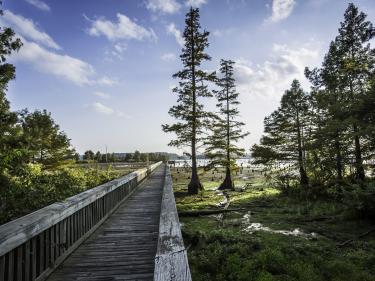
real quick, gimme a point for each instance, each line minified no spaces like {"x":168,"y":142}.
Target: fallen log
{"x":207,"y":212}
{"x":358,"y":237}
{"x":318,"y":219}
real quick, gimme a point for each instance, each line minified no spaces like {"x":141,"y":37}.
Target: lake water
{"x":241,"y":162}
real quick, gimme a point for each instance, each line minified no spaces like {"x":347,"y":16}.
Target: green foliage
{"x":88,"y":155}
{"x":45,"y":143}
{"x":327,"y":135}
{"x":285,"y":133}
{"x":36,"y":188}
{"x":228,"y":253}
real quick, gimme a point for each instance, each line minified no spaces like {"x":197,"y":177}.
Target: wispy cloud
{"x":272,"y":77}
{"x":163,"y":6}
{"x":195,"y":3}
{"x":168,"y":57}
{"x":102,"y":95}
{"x":39,"y":4}
{"x":63,"y":66}
{"x":172,"y":29}
{"x":28,"y":29}
{"x":106,"y":110}
{"x":281,"y":9}
{"x":102,"y":109}
{"x":123,"y":29}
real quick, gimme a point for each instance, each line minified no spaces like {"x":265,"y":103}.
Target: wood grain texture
{"x":124,"y":247}
{"x":171,"y":261}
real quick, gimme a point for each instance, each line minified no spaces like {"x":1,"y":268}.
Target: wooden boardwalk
{"x":124,"y":246}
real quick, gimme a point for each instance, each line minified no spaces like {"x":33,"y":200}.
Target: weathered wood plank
{"x":171,"y":261}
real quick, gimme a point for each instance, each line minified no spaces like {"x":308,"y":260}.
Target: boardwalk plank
{"x":124,"y":247}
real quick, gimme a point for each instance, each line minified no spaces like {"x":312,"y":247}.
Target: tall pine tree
{"x":226,"y":130}
{"x":189,"y":110}
{"x":285,"y":132}
{"x":357,"y":59}
{"x":328,"y":113}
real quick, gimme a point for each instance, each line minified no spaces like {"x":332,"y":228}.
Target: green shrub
{"x":35,"y":188}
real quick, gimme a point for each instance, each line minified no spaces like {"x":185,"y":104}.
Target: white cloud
{"x":118,"y":50}
{"x":171,"y":29}
{"x":123,"y":29}
{"x":281,"y":9}
{"x":102,"y":95}
{"x":163,"y":6}
{"x":195,"y":3}
{"x":63,"y":66}
{"x":120,"y":47}
{"x":168,"y":57}
{"x":106,"y":110}
{"x":102,"y":109}
{"x":27,"y":28}
{"x":105,"y":81}
{"x":274,"y":76}
{"x":39,"y":4}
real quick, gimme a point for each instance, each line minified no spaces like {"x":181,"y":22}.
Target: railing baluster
{"x":41,"y":251}
{"x":33,"y":258}
{"x":2,"y":268}
{"x":52,"y":248}
{"x":11,"y":266}
{"x":19,"y":263}
{"x":27,"y":265}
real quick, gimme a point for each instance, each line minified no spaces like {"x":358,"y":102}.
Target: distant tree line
{"x":136,"y":156}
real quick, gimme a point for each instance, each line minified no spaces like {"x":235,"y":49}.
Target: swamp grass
{"x":220,"y":247}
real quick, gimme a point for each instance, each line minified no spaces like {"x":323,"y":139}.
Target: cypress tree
{"x":357,"y":61}
{"x":329,"y":116}
{"x":226,"y":130}
{"x":285,"y":132}
{"x":189,"y":111}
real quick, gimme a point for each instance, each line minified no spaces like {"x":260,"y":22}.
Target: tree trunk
{"x":227,"y":183}
{"x":360,"y":171}
{"x":304,"y":179}
{"x":338,"y":158}
{"x":195,"y":184}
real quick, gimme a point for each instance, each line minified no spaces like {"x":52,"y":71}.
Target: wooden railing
{"x":33,"y":245}
{"x":171,"y":262}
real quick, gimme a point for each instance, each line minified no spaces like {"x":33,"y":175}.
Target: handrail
{"x":33,"y":245}
{"x":171,"y":262}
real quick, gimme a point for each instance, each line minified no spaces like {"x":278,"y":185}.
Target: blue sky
{"x":103,"y":67}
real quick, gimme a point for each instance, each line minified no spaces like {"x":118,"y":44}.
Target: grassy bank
{"x":275,"y":237}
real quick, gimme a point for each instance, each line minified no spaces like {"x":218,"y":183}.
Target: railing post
{"x":171,"y":262}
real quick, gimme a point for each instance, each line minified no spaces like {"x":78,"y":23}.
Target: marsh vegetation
{"x":275,"y":236}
